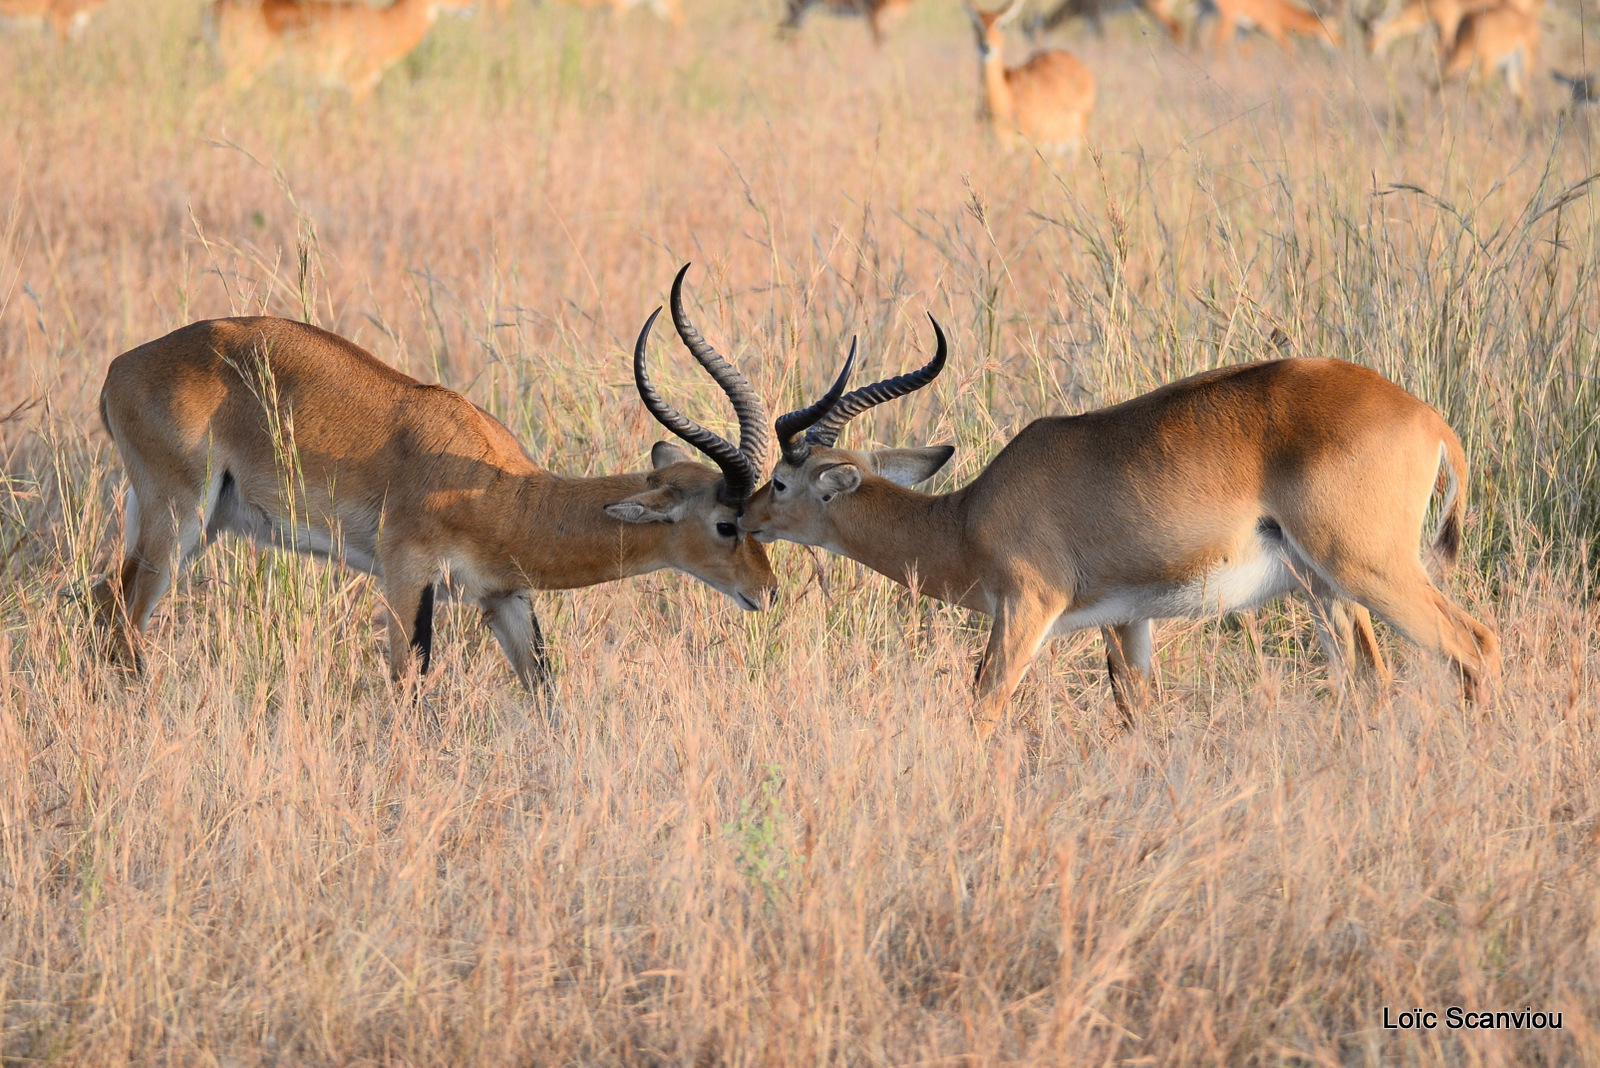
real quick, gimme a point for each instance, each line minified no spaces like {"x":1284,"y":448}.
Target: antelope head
{"x":990,"y":27}
{"x":815,"y":482}
{"x":700,"y":506}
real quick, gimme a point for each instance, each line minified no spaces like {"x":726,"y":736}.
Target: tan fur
{"x":297,"y":438}
{"x":1046,"y":100}
{"x":1414,"y":16}
{"x":1314,"y":475}
{"x":1503,"y":38}
{"x":881,"y":15}
{"x":66,"y":17}
{"x":339,"y":43}
{"x":1275,"y":18}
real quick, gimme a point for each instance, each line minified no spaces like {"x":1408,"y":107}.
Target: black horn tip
{"x":677,"y":281}
{"x":942,"y":349}
{"x":835,"y":391}
{"x":644,"y":332}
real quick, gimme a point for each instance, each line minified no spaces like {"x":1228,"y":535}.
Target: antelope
{"x":1275,"y":18}
{"x":338,"y":44}
{"x":1046,"y":100}
{"x":881,"y":15}
{"x":66,"y":17}
{"x":1094,"y":12}
{"x":1502,"y":38}
{"x":1415,"y":16}
{"x":1209,"y":495}
{"x":298,"y":439}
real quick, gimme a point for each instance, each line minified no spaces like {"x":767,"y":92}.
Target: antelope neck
{"x":567,"y":540}
{"x":906,"y":535}
{"x":996,"y":89}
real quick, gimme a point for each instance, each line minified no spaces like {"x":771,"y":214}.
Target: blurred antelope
{"x":66,"y":17}
{"x":339,"y":44}
{"x":1046,"y":100}
{"x":297,"y":439}
{"x":1414,"y":16}
{"x":1275,"y":18}
{"x":1209,"y":495}
{"x":881,"y":15}
{"x":1502,"y":38}
{"x":1095,"y":11}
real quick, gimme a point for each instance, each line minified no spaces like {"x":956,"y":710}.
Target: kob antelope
{"x":338,"y":44}
{"x":297,"y":439}
{"x":1046,"y":100}
{"x":1275,"y":18}
{"x":881,"y":15}
{"x":1095,"y":11}
{"x":66,"y":17}
{"x":1209,"y":495}
{"x":1502,"y":38}
{"x":1414,"y":16}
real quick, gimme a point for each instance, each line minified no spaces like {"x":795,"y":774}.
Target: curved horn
{"x":791,"y":426}
{"x":746,"y":403}
{"x":738,"y":474}
{"x":852,"y":404}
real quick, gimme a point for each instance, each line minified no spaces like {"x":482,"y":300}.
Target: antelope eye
{"x":778,"y":487}
{"x":727,"y":530}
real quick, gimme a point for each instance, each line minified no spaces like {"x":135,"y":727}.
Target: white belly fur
{"x":1238,"y":584}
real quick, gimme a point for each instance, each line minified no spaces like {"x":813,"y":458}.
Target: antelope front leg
{"x":512,"y":620}
{"x":1128,"y":664}
{"x":1020,"y":627}
{"x":410,"y":624}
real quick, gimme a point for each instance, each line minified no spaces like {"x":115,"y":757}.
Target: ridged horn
{"x":738,"y":473}
{"x":789,"y":427}
{"x":752,"y":414}
{"x":826,"y":429}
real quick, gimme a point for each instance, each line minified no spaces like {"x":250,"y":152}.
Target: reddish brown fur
{"x":411,"y":482}
{"x":1155,"y":498}
{"x":1275,"y":18}
{"x":347,"y":44}
{"x":1046,"y":100}
{"x":1503,"y":38}
{"x":66,"y":17}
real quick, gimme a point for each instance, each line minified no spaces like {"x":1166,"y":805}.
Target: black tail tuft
{"x":1447,"y":545}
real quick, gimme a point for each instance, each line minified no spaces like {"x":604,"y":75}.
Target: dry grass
{"x":773,"y":839}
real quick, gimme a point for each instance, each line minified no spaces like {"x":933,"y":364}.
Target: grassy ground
{"x":773,"y":839}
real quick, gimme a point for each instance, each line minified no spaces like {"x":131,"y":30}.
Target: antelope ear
{"x":665,"y":454}
{"x":907,"y":467}
{"x":664,"y":504}
{"x":838,"y":478}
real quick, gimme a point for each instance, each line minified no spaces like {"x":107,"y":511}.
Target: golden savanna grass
{"x":773,"y":839}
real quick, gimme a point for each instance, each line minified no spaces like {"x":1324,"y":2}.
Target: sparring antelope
{"x":335,"y":43}
{"x":1209,"y":495}
{"x":1275,"y":18}
{"x":1046,"y":100}
{"x":881,"y":15}
{"x":66,"y":17}
{"x":298,"y":439}
{"x":1503,"y":38}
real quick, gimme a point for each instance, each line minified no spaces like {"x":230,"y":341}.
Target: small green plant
{"x":756,"y":835}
